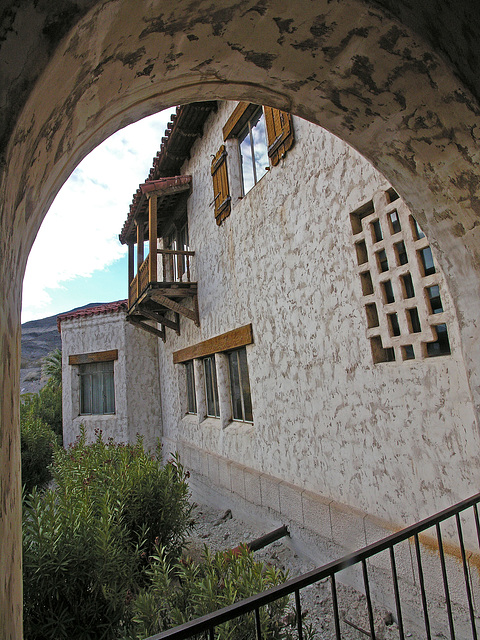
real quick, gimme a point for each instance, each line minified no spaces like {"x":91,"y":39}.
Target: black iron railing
{"x":207,"y":624}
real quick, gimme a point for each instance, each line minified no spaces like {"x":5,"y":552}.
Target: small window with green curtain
{"x":97,"y":388}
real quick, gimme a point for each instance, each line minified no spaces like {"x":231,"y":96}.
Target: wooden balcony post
{"x":152,"y":238}
{"x":131,"y":263}
{"x":140,"y":258}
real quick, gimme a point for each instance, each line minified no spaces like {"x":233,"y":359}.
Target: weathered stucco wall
{"x":398,"y":440}
{"x":136,"y":378}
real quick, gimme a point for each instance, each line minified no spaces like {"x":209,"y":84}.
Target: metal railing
{"x":206,"y":625}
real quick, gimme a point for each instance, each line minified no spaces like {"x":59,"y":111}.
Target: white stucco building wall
{"x":393,"y":440}
{"x":102,"y":329}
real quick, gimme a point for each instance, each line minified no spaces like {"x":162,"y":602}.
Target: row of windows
{"x":241,"y":402}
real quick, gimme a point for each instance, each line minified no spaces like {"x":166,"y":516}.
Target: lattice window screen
{"x":403,"y":289}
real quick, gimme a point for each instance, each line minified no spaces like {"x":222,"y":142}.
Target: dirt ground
{"x":221,"y":530}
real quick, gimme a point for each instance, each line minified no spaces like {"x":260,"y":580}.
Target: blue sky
{"x":89,"y":264}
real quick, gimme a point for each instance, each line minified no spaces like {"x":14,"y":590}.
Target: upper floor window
{"x":253,"y":150}
{"x":97,"y":389}
{"x":263,"y":135}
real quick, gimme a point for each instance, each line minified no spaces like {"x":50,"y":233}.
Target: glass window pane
{"x":427,"y":261}
{"x":191,"y":399}
{"x":211,"y":389}
{"x":97,"y":393}
{"x":215,"y":388}
{"x":235,"y":386}
{"x":260,"y":150}
{"x":109,"y":393}
{"x":97,"y":388}
{"x":247,"y":401}
{"x":85,"y":393}
{"x":247,"y":161}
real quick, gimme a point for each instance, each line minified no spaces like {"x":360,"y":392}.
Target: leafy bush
{"x":184,"y":591}
{"x":86,"y":542}
{"x":46,"y":405}
{"x":38,"y":443}
{"x":154,"y":496}
{"x":79,"y":567}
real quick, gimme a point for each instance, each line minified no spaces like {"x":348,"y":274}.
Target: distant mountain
{"x":39,"y":338}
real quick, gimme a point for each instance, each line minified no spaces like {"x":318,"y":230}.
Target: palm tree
{"x":52,"y":367}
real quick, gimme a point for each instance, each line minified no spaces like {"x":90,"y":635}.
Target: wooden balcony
{"x":161,"y":289}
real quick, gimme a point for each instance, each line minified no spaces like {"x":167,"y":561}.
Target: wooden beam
{"x":152,"y":238}
{"x":98,"y":356}
{"x":146,"y":327}
{"x":174,"y":306}
{"x":230,"y":340}
{"x":176,"y":290}
{"x":157,"y":317}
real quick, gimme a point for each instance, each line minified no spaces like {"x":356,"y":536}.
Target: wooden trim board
{"x":99,"y":356}
{"x":226,"y":341}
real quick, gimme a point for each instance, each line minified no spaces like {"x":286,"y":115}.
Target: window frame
{"x":234,"y":358}
{"x":248,"y":131}
{"x":211,"y":387}
{"x":190,"y":388}
{"x":97,"y":374}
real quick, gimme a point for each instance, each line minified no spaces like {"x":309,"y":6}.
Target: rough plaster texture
{"x":136,"y":377}
{"x":401,"y":87}
{"x":398,"y":440}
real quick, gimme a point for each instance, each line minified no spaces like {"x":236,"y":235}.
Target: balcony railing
{"x":421,"y":605}
{"x":175,"y":266}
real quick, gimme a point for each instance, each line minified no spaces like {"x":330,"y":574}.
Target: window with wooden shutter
{"x":221,"y":192}
{"x":279,"y":133}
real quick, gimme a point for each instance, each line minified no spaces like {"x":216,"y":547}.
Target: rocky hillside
{"x":39,"y":338}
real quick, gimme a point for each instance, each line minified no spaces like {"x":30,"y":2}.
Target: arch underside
{"x":349,"y":66}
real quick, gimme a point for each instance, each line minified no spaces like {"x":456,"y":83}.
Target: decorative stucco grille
{"x":403,"y":288}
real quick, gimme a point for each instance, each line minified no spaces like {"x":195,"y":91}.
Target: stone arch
{"x":349,"y":66}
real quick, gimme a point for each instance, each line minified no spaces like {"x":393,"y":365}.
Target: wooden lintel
{"x":146,"y":327}
{"x":174,"y":306}
{"x":157,"y":317}
{"x":231,"y":340}
{"x":98,"y":356}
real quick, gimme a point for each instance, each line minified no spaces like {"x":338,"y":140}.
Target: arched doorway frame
{"x":346,"y":66}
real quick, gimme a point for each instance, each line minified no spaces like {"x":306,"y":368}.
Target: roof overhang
{"x":169,"y":192}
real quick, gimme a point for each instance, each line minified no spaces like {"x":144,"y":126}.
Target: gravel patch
{"x":222,"y":530}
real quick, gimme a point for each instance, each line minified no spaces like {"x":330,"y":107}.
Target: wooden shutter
{"x":279,"y":133}
{"x":220,"y":185}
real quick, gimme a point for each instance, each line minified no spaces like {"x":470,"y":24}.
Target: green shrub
{"x":38,"y":443}
{"x":184,"y":591}
{"x":86,"y":542}
{"x":79,"y":567}
{"x":154,"y":496}
{"x":46,"y":405}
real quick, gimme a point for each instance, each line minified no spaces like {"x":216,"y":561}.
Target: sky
{"x":89,"y":264}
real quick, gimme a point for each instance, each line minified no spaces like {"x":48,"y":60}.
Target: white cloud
{"x":80,"y":232}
